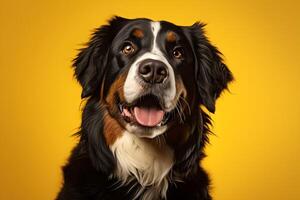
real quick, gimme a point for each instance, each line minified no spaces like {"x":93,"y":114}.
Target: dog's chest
{"x":148,"y":162}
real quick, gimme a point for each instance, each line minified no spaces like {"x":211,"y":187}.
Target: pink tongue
{"x":148,"y":116}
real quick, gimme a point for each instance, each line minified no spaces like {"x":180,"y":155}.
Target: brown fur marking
{"x":112,"y":129}
{"x":138,"y":33}
{"x":116,"y":88}
{"x":171,"y":36}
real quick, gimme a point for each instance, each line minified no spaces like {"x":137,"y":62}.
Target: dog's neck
{"x":148,"y":161}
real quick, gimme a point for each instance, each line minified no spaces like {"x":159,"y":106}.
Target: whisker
{"x":186,"y":103}
{"x":179,"y":113}
{"x":182,"y":110}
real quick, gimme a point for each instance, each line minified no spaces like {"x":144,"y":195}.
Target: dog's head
{"x":151,"y":75}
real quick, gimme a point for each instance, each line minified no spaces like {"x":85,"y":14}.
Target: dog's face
{"x":150,"y":75}
{"x":152,"y":59}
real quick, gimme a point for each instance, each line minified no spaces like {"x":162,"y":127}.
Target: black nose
{"x":153,"y":71}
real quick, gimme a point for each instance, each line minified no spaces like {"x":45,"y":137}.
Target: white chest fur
{"x":144,"y":159}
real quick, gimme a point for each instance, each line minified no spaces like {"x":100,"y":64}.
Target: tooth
{"x":159,"y":124}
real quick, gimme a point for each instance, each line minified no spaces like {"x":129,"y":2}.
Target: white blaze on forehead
{"x":132,"y":88}
{"x":170,"y":93}
{"x":155,"y":27}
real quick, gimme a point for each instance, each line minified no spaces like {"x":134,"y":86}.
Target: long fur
{"x":134,"y":167}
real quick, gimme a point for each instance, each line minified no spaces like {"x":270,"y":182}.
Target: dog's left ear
{"x":90,"y":63}
{"x":212,"y":75}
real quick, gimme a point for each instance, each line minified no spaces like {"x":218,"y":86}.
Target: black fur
{"x":212,"y":74}
{"x":87,"y":173}
{"x":91,"y":61}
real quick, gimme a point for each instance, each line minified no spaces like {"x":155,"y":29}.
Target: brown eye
{"x":178,"y":53}
{"x":128,"y":49}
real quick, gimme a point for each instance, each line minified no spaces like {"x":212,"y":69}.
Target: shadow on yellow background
{"x":255,"y":153}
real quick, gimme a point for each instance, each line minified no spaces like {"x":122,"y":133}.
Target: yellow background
{"x":255,"y":154}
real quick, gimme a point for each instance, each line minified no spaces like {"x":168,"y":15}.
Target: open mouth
{"x":147,"y":111}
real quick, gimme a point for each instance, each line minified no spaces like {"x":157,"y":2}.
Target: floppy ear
{"x":90,"y":62}
{"x":212,"y":75}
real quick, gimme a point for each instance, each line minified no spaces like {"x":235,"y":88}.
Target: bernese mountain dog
{"x":149,"y":87}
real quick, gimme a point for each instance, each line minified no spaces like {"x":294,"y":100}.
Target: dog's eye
{"x":178,"y":53}
{"x":128,"y":49}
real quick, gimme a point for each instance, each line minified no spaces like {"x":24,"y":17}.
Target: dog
{"x":149,"y":87}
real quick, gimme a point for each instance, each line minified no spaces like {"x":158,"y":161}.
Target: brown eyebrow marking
{"x":138,"y":33}
{"x":171,"y":36}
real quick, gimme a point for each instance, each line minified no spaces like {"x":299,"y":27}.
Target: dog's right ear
{"x":212,"y":75}
{"x":90,"y":63}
